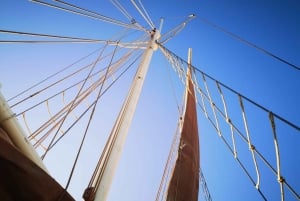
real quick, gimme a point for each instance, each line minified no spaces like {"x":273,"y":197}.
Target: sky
{"x":272,"y":25}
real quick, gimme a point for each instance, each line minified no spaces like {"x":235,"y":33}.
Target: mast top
{"x":190,"y":56}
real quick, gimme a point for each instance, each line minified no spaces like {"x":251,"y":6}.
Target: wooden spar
{"x":119,"y":133}
{"x":16,"y":134}
{"x":184,"y":182}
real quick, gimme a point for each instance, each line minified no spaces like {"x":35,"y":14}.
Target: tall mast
{"x":113,"y":151}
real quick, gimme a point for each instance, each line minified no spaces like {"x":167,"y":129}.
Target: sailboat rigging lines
{"x":66,"y":108}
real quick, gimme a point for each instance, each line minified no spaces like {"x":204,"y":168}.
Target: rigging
{"x":249,"y":43}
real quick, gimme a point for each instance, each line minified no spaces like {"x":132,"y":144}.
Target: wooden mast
{"x":113,"y":149}
{"x":184,"y":182}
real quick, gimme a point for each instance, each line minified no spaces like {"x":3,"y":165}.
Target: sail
{"x":184,"y":183}
{"x":22,"y":179}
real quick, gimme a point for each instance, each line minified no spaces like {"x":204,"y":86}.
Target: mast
{"x":113,"y":149}
{"x":184,"y":182}
{"x":15,"y":133}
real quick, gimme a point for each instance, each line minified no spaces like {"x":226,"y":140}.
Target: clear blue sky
{"x":272,"y":25}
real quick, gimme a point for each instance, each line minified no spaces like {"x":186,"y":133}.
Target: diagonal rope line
{"x":228,"y":121}
{"x":50,"y":36}
{"x":88,"y":108}
{"x":87,"y":13}
{"x":119,"y":6}
{"x":54,"y":74}
{"x":49,"y":41}
{"x":29,"y":131}
{"x":146,"y":14}
{"x":150,"y":23}
{"x":169,"y":53}
{"x":250,"y":145}
{"x":64,"y":39}
{"x":82,"y":96}
{"x":212,"y":104}
{"x":89,"y":121}
{"x":173,"y":32}
{"x":63,"y":79}
{"x":126,"y":56}
{"x":280,"y":179}
{"x":105,"y":18}
{"x":161,"y":194}
{"x":205,"y":187}
{"x":249,"y":43}
{"x":94,"y":177}
{"x":73,"y":102}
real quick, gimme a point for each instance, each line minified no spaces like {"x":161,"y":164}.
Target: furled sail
{"x":21,"y":178}
{"x":184,"y":182}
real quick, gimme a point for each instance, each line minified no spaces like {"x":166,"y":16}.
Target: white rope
{"x":88,"y":13}
{"x":142,"y":14}
{"x":29,"y":131}
{"x":212,"y":104}
{"x":118,"y":5}
{"x":173,"y":32}
{"x":280,"y":179}
{"x":250,"y":145}
{"x":146,"y":13}
{"x":51,"y":116}
{"x":161,"y":194}
{"x":228,"y":120}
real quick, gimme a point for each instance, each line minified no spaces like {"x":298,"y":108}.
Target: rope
{"x":28,"y":129}
{"x":249,"y":43}
{"x":50,"y":41}
{"x":50,"y":97}
{"x":119,"y":6}
{"x":90,"y":119}
{"x":88,"y":13}
{"x":204,"y":187}
{"x":64,"y":103}
{"x":145,"y":16}
{"x":280,"y":179}
{"x":83,"y":96}
{"x":173,"y":89}
{"x":173,"y":32}
{"x":228,"y":121}
{"x":121,"y":61}
{"x":51,"y":36}
{"x":168,"y":167}
{"x":212,"y":104}
{"x":51,"y":116}
{"x":54,"y":74}
{"x":77,"y":95}
{"x":232,"y":90}
{"x":63,"y":79}
{"x":99,"y":96}
{"x":93,"y":178}
{"x":250,"y":145}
